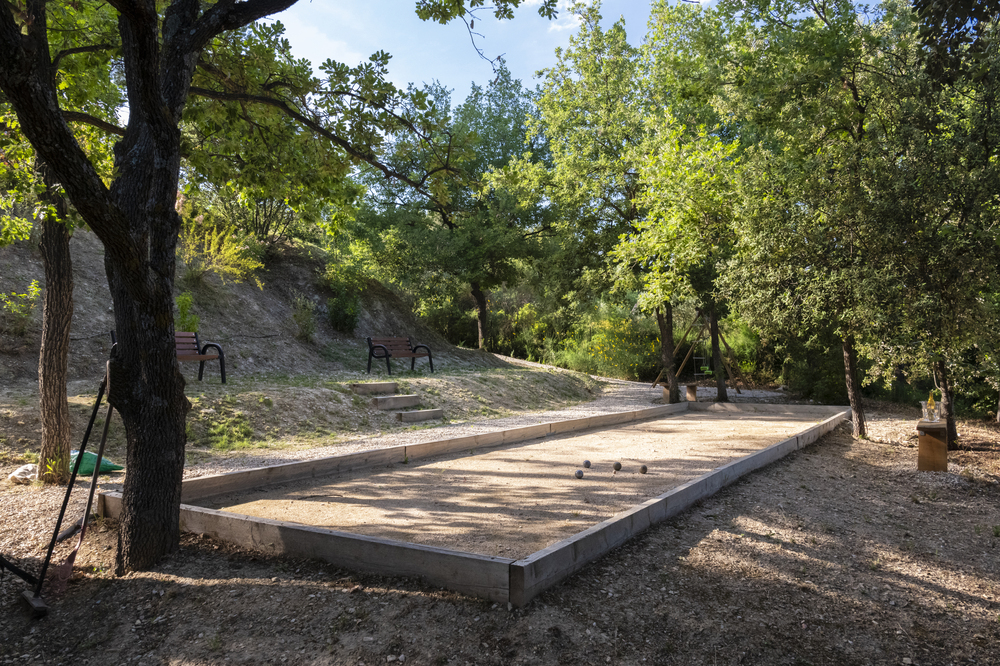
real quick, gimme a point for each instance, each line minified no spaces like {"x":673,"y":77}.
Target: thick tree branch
{"x":230,"y":15}
{"x":80,"y":49}
{"x":364,"y":156}
{"x":93,"y":121}
{"x":25,"y":80}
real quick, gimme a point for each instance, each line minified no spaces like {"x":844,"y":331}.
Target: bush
{"x":614,"y":344}
{"x":185,"y":320}
{"x":304,"y":316}
{"x":17,"y":308}
{"x":217,"y":249}
{"x":343,"y":308}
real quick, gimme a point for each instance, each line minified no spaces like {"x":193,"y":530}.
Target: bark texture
{"x":57,"y":315}
{"x":482,"y":313}
{"x":854,"y":387}
{"x":717,"y":366}
{"x":665,"y":322}
{"x":947,"y":402}
{"x":136,"y":222}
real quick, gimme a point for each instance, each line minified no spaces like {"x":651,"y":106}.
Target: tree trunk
{"x":665,"y":320}
{"x":482,"y":313}
{"x":147,"y":390}
{"x":947,"y":403}
{"x":854,"y":387}
{"x":717,"y":367}
{"x":998,"y":410}
{"x":57,"y":315}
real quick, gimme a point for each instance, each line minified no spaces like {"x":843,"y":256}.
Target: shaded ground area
{"x":514,"y":500}
{"x":839,"y":554}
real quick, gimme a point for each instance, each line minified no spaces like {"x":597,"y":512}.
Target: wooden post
{"x":691,"y":351}
{"x":686,"y":331}
{"x":736,"y":365}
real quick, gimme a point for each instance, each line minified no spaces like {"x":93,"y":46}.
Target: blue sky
{"x":351,"y":30}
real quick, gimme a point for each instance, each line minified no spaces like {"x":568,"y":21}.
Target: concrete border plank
{"x":528,"y":432}
{"x":203,"y":487}
{"x":437,"y":447}
{"x":478,"y":575}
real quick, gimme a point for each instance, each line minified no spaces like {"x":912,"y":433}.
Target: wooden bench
{"x":388,"y":348}
{"x":188,"y":348}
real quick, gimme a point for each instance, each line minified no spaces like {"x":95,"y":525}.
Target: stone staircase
{"x":385,"y":398}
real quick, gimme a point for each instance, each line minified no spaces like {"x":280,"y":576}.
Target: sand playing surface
{"x":514,"y":500}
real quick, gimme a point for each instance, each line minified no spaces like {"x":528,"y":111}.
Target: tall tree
{"x":466,"y":229}
{"x":161,"y":47}
{"x":800,"y":78}
{"x":90,"y":95}
{"x":594,"y":107}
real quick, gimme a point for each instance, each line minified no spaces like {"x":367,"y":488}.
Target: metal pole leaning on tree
{"x":34,"y":599}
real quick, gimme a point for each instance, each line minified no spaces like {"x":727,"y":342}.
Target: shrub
{"x":613,"y":345}
{"x":344,"y":307}
{"x":304,"y":316}
{"x":185,"y":320}
{"x":217,"y":249}
{"x":17,"y":308}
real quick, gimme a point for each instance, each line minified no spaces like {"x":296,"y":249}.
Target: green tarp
{"x":87,"y":464}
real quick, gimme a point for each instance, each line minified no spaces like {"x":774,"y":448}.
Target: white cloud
{"x":567,"y":20}
{"x":309,"y":41}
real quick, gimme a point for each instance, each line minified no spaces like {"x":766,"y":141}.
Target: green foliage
{"x":611,"y":343}
{"x":304,"y":316}
{"x":17,"y":308}
{"x":186,"y":320}
{"x":206,"y":248}
{"x":346,"y":282}
{"x":230,"y":432}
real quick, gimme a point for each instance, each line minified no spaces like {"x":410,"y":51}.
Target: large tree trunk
{"x":147,"y":390}
{"x":57,"y":315}
{"x":482,"y":313}
{"x":137,"y":224}
{"x":146,"y":386}
{"x":854,"y":387}
{"x":665,"y":321}
{"x":717,"y":367}
{"x":947,"y":403}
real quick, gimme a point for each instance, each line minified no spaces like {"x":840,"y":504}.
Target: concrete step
{"x":395,"y":401}
{"x":374,"y":387}
{"x":420,"y":415}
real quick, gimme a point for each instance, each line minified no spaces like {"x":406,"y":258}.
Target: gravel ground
{"x":840,"y":554}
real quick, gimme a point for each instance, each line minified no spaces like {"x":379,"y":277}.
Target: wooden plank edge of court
{"x":469,"y":573}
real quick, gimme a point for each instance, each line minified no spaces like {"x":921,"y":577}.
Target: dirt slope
{"x":255,"y":326}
